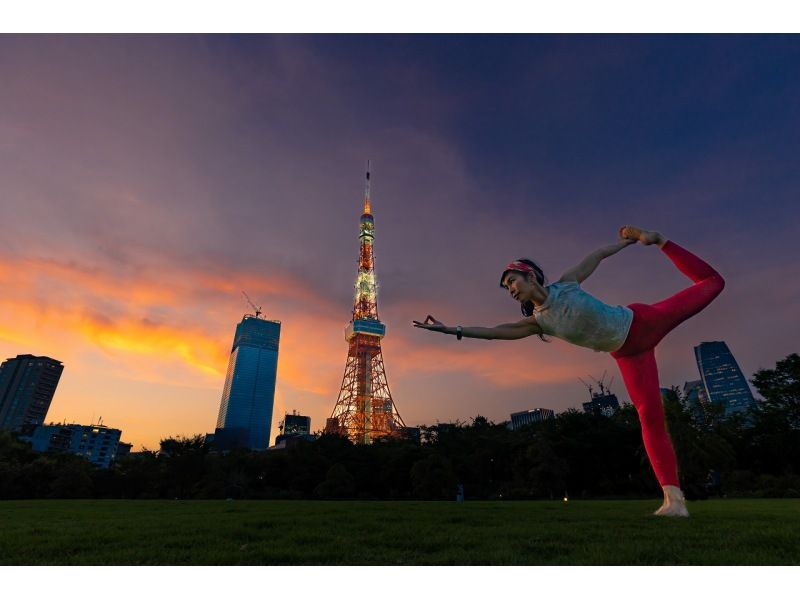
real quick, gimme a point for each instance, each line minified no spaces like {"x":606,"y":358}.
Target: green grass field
{"x":107,"y":532}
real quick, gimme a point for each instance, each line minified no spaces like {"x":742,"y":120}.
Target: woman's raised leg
{"x":707,"y":285}
{"x":667,"y":314}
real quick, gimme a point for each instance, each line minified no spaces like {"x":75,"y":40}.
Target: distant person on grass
{"x":630,"y":334}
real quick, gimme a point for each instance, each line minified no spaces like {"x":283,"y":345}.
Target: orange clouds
{"x":168,"y":329}
{"x":134,"y":310}
{"x":192,"y":346}
{"x":147,"y":315}
{"x":167,"y":326}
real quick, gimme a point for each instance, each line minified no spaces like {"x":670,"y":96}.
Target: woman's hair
{"x":527,"y":307}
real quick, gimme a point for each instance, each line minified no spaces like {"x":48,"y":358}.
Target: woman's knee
{"x":712,"y":287}
{"x":718,"y":282}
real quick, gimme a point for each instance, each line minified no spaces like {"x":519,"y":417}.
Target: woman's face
{"x":520,"y":286}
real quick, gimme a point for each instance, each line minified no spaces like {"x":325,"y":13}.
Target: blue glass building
{"x":722,"y":378}
{"x":245,"y":411}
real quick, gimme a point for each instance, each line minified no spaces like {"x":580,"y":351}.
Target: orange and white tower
{"x":365,"y":411}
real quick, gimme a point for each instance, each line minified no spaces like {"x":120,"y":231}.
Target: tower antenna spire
{"x":367,"y":200}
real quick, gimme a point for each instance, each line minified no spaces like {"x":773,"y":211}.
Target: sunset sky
{"x":145,"y":181}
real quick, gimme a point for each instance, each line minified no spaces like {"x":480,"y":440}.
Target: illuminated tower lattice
{"x":364,"y":411}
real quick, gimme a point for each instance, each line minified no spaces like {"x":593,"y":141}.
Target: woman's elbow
{"x":526,"y":333}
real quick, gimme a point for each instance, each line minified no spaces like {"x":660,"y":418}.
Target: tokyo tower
{"x":364,"y":411}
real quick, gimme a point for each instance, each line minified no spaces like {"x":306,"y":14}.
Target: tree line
{"x":578,"y":455}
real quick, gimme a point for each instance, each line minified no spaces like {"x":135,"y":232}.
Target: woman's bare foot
{"x":645,"y":237}
{"x":674,"y":503}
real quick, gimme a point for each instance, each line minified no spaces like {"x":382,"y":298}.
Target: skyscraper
{"x":27,"y":386}
{"x":245,"y":411}
{"x":722,"y":378}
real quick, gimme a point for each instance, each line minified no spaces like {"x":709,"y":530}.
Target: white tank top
{"x":572,"y":314}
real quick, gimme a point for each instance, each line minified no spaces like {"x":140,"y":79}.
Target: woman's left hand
{"x":434,"y":324}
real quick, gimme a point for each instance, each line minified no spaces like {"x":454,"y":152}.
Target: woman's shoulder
{"x":558,"y":292}
{"x":565,"y":284}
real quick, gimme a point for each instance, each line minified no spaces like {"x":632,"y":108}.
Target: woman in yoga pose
{"x":630,"y":334}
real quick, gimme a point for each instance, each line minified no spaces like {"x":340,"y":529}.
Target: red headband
{"x":520,"y":267}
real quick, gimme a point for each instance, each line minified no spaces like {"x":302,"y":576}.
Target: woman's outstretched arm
{"x":507,"y":332}
{"x":583,"y":270}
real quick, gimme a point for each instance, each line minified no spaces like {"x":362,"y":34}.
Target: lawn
{"x":110,"y":532}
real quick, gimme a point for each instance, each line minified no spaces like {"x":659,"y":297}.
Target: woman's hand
{"x":434,"y":324}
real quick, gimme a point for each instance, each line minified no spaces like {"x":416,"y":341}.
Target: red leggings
{"x":636,"y":358}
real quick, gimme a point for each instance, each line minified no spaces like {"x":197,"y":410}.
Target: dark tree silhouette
{"x":577,"y":454}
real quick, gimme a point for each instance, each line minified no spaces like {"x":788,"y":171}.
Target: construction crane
{"x":587,"y":385}
{"x":253,"y":305}
{"x":604,"y":390}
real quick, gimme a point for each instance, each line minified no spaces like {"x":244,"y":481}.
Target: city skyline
{"x":151,"y":179}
